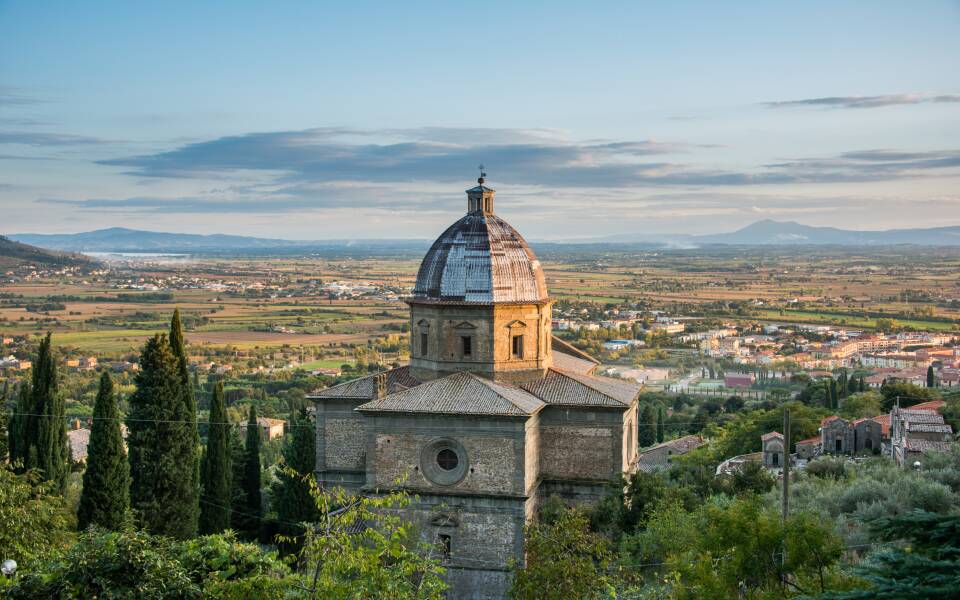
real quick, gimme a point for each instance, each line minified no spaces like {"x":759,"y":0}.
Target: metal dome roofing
{"x":482,"y":259}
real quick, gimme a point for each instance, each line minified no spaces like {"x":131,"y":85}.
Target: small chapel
{"x":491,"y":416}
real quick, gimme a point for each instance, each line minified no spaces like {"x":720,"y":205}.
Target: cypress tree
{"x":647,"y":434}
{"x":852,"y":385}
{"x":106,"y":482}
{"x":42,"y":442}
{"x":16,"y":430}
{"x":834,"y":398}
{"x":162,"y":490}
{"x":238,"y":498}
{"x":931,"y":377}
{"x":252,"y":509}
{"x":660,"y":425}
{"x":291,"y":492}
{"x":216,"y":470}
{"x":5,"y":422}
{"x":842,"y":384}
{"x":189,"y":447}
{"x":863,"y":384}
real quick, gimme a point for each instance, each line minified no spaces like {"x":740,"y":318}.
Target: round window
{"x":444,"y":461}
{"x":447,"y":459}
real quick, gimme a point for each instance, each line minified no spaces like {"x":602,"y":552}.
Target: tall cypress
{"x":863,"y":384}
{"x":931,"y":377}
{"x":162,"y":491}
{"x":42,"y":443}
{"x":291,"y":491}
{"x":5,"y":421}
{"x":106,"y":482}
{"x":238,"y":498}
{"x":216,"y":470}
{"x":252,"y":509}
{"x":17,"y":428}
{"x":660,"y":425}
{"x":190,"y":443}
{"x":647,"y":433}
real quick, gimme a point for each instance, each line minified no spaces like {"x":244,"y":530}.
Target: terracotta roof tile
{"x":460,"y":393}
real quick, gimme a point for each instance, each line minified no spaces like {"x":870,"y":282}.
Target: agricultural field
{"x":262,"y":303}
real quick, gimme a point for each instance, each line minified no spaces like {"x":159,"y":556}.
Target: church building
{"x":492,"y":415}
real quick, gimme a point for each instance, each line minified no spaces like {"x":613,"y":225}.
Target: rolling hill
{"x":14,"y":253}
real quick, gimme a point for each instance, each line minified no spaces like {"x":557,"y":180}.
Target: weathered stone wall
{"x":341,"y":442}
{"x":345,"y":439}
{"x":581,"y":443}
{"x":485,"y":534}
{"x":491,"y":329}
{"x":494,"y":451}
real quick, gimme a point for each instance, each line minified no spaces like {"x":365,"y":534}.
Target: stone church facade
{"x":492,"y":415}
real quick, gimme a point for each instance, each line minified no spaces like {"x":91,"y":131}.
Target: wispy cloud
{"x":33,"y":138}
{"x":16,"y":96}
{"x":313,"y":156}
{"x":865,"y":101}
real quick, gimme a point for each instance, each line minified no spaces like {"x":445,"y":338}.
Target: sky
{"x":324,"y":120}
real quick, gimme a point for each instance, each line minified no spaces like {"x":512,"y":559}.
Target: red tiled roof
{"x":771,"y":434}
{"x":884,"y":421}
{"x":932,"y":405}
{"x":826,"y":420}
{"x":813,"y":440}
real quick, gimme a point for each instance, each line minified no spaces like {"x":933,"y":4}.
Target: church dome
{"x":481,"y":259}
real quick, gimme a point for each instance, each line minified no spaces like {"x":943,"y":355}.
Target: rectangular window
{"x":444,"y":543}
{"x":424,"y":343}
{"x":466,"y":345}
{"x":517,"y":346}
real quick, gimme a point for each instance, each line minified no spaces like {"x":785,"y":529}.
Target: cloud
{"x":15,"y":96}
{"x":870,"y":165}
{"x":516,"y":157}
{"x":866,"y":101}
{"x":30,"y":138}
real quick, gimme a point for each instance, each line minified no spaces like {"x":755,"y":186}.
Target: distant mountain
{"x":769,"y":232}
{"x":789,"y":232}
{"x":15,"y":253}
{"x":120,"y":239}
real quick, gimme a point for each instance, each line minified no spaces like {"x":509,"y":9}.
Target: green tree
{"x":834,"y":395}
{"x":931,"y":377}
{"x":252,"y":508}
{"x":862,"y":404}
{"x":136,"y":564}
{"x":291,"y":491}
{"x":16,"y":434}
{"x":924,"y":566}
{"x":105,"y":500}
{"x":160,"y":446}
{"x":563,"y":560}
{"x":743,"y":544}
{"x":216,"y":469}
{"x":33,"y":515}
{"x":42,"y":442}
{"x":189,"y":440}
{"x":238,"y":497}
{"x":362,"y":548}
{"x":647,"y":427}
{"x":907,"y":394}
{"x":660,"y":425}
